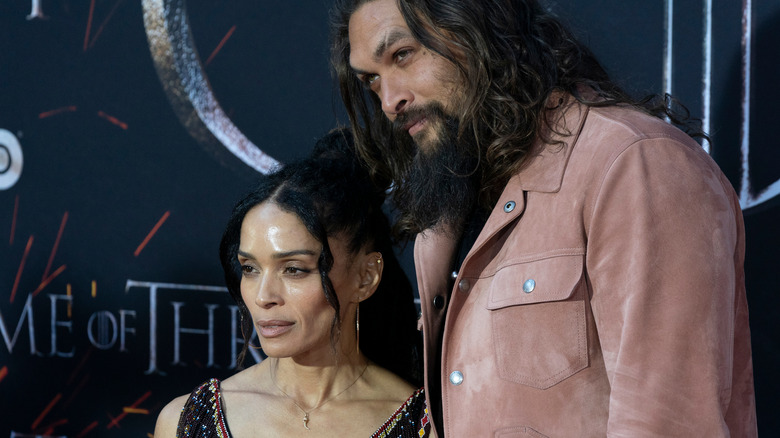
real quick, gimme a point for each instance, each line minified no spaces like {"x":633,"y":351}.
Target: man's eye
{"x":402,"y":54}
{"x":370,"y":79}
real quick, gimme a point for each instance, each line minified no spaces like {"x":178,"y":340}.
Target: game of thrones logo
{"x":111,"y":329}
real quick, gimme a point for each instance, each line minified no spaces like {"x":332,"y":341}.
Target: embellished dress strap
{"x":410,"y":420}
{"x":202,"y":416}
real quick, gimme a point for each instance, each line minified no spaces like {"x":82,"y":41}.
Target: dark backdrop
{"x":114,"y":191}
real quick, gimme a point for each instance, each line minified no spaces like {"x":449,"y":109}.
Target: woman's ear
{"x":370,"y":274}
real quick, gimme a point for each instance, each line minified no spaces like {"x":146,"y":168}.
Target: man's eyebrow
{"x":391,"y":38}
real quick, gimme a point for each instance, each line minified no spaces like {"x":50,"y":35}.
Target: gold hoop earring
{"x":357,"y":328}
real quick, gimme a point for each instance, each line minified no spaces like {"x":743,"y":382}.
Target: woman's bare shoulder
{"x":391,"y":385}
{"x":168,"y":419}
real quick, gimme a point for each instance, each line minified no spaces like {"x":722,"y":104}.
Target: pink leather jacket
{"x":605,"y":296}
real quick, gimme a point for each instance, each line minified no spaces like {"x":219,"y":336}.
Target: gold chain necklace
{"x":305,"y":412}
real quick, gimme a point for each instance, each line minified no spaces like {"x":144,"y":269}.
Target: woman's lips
{"x":273,"y":328}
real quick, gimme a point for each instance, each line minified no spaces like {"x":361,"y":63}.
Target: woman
{"x":303,"y":256}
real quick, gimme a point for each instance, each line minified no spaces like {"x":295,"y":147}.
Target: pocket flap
{"x":538,"y":280}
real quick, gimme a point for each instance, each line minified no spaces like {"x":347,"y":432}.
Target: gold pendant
{"x":306,"y":420}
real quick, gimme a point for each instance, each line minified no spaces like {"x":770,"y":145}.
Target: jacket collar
{"x":543,"y":172}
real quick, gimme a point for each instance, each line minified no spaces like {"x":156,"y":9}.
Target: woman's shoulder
{"x":391,"y":384}
{"x":168,"y":419}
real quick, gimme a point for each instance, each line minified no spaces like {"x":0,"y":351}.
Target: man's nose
{"x":395,"y":96}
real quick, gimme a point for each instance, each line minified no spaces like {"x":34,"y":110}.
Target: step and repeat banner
{"x":128,"y":128}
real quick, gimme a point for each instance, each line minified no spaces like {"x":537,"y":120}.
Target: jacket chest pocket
{"x":538,"y":323}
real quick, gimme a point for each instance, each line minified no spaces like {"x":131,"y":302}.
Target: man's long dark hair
{"x":333,"y":195}
{"x":512,"y":56}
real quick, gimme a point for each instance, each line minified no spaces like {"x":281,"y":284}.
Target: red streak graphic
{"x":56,"y":245}
{"x":13,"y":220}
{"x":21,"y":268}
{"x":89,"y":23}
{"x":103,"y":24}
{"x":79,"y":366}
{"x":48,"y":280}
{"x":115,"y":421}
{"x":86,"y":430}
{"x":152,"y":233}
{"x":113,"y":120}
{"x":75,"y":392}
{"x":46,"y":411}
{"x":54,"y":112}
{"x":3,"y":373}
{"x":221,"y":43}
{"x":49,"y":430}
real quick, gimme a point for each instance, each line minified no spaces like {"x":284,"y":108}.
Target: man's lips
{"x":273,"y":328}
{"x":415,"y":125}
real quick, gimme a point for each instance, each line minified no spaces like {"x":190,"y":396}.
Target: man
{"x":586,"y":255}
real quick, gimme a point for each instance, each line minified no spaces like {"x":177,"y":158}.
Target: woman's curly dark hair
{"x":512,"y":55}
{"x":333,"y":195}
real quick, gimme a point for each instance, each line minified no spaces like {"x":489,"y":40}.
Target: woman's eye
{"x":247,"y":269}
{"x":295,"y":271}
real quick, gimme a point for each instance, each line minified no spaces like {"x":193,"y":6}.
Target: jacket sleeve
{"x":664,"y":259}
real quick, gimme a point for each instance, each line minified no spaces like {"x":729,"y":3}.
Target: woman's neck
{"x":312,"y":385}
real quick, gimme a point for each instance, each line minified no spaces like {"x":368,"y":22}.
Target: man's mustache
{"x":430,"y":111}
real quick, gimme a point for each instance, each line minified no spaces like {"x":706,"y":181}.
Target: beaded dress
{"x":203,"y":416}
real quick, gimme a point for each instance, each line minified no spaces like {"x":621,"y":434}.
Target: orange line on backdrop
{"x":3,"y":373}
{"x":93,"y":288}
{"x":86,"y":430}
{"x":13,"y":220}
{"x":113,"y":120}
{"x":46,"y":411}
{"x":56,"y":245}
{"x":69,"y":292}
{"x":115,"y":421}
{"x":54,"y":112}
{"x":152,"y":233}
{"x":130,"y":410}
{"x":21,"y":268}
{"x":49,"y":279}
{"x":221,"y":43}
{"x":89,"y":23}
{"x":102,"y":25}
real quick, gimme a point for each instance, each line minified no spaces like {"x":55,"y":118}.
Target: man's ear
{"x":371,"y":267}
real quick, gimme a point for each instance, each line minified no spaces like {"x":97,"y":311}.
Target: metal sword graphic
{"x":186,"y":85}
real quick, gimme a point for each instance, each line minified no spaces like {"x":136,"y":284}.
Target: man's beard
{"x":440,"y":185}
